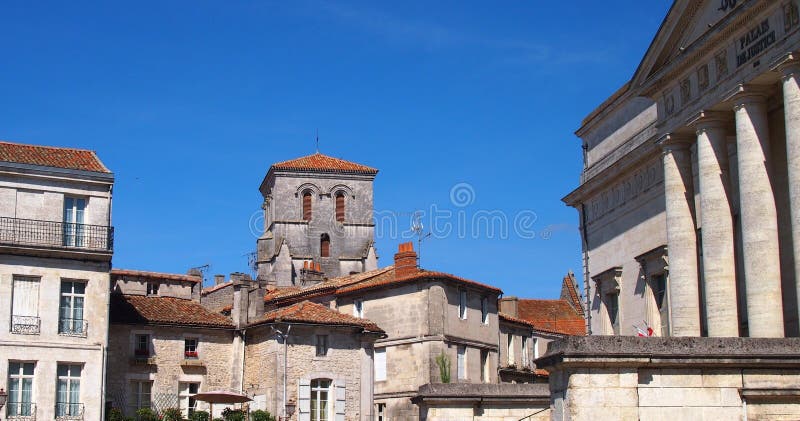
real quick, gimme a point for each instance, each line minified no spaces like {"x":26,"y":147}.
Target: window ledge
{"x":195,"y":362}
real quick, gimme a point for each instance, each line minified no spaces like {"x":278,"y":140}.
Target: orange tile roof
{"x":156,"y":275}
{"x":569,"y":290}
{"x":138,"y":309}
{"x":324,"y":163}
{"x":215,"y":287}
{"x":556,"y":316}
{"x":379,"y":278}
{"x":51,"y":156}
{"x":312,"y":313}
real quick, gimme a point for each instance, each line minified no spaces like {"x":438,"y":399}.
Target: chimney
{"x":509,"y":305}
{"x":219,"y":279}
{"x":405,"y":261}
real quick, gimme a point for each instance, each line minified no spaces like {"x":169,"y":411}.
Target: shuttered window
{"x":380,"y":364}
{"x":340,"y":207}
{"x":325,"y":245}
{"x":306,"y":205}
{"x":462,"y":362}
{"x":26,"y":296}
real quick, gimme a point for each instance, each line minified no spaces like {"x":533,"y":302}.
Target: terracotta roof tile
{"x":156,"y":275}
{"x":138,"y":309}
{"x":215,"y":287}
{"x":308,"y":312}
{"x":556,"y":316}
{"x":324,"y":163}
{"x":50,"y":156}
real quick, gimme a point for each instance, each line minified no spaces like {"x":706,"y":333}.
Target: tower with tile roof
{"x":318,"y":221}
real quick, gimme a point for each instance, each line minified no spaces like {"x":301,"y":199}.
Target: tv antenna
{"x":252,"y":262}
{"x":203,"y":269}
{"x":419,"y":230}
{"x":317,"y":140}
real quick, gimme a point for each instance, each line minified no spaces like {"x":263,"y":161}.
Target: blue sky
{"x":189,"y":102}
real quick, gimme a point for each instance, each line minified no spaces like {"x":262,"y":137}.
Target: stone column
{"x":719,"y":264}
{"x":791,"y":107}
{"x":759,"y":219}
{"x":684,"y":298}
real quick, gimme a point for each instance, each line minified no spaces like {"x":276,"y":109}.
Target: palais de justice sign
{"x":754,"y":42}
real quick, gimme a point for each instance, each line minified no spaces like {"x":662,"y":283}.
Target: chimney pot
{"x":319,"y":267}
{"x":305,"y":264}
{"x":405,"y":261}
{"x":219,"y":279}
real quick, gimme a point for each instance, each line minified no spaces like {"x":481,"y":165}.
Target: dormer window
{"x":152,"y":288}
{"x":307,"y":205}
{"x":340,"y":206}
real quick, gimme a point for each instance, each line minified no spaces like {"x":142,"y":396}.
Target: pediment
{"x":686,"y":23}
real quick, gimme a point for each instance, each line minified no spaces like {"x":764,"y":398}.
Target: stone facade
{"x":55,"y":253}
{"x":687,"y":194}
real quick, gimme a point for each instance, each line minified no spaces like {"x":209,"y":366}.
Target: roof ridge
{"x":48,"y":146}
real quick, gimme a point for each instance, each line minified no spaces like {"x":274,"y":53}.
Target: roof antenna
{"x":317,"y":140}
{"x":419,"y":231}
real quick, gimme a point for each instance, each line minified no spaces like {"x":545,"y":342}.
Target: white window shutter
{"x":339,"y":406}
{"x":304,"y":400}
{"x":380,"y":364}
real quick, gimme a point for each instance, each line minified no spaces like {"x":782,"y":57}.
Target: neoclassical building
{"x":689,"y":199}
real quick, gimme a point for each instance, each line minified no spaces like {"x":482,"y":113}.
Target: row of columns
{"x":757,"y":210}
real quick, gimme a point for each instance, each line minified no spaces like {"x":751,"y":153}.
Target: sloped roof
{"x":138,"y":309}
{"x":156,"y":275}
{"x":323,"y":163}
{"x":379,"y":278}
{"x":555,"y":316}
{"x":308,"y":312}
{"x":51,"y":156}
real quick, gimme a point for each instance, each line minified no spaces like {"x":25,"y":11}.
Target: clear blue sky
{"x":189,"y":102}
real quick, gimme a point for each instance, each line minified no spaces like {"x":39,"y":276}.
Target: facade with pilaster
{"x":689,"y":198}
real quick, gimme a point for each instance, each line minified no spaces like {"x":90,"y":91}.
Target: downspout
{"x":285,"y":337}
{"x":586,"y":274}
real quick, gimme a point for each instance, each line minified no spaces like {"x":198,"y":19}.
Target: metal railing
{"x":69,"y":411}
{"x":20,"y":411}
{"x":73,"y":327}
{"x":25,"y":325}
{"x":32,"y":232}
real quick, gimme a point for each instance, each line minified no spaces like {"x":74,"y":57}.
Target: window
{"x":510,"y":349}
{"x":25,"y":305}
{"x":74,"y":209}
{"x":140,"y":395}
{"x":340,"y":206}
{"x":152,"y":288}
{"x":380,"y":364}
{"x":186,"y":392}
{"x":612,"y":308}
{"x":485,"y":310}
{"x":659,"y":283}
{"x":358,"y":309}
{"x":141,"y":347}
{"x":307,"y":205}
{"x":68,"y":391}
{"x":607,"y":288}
{"x":70,"y":313}
{"x":20,"y":390}
{"x":525,"y":361}
{"x":535,"y":348}
{"x":380,"y":412}
{"x":461,"y":362}
{"x":190,"y":348}
{"x":485,"y":366}
{"x":322,"y":345}
{"x":320,"y":400}
{"x":462,"y":304}
{"x":325,"y":245}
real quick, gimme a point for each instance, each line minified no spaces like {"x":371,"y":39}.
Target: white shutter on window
{"x":380,"y":364}
{"x":26,"y":296}
{"x":340,"y":400}
{"x":304,"y":400}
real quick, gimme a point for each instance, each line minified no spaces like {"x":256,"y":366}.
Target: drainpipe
{"x":285,"y":338}
{"x":586,"y":284}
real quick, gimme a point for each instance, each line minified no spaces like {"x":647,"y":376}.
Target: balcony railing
{"x":20,"y":411}
{"x":25,"y":325}
{"x":65,"y":235}
{"x":73,"y":327}
{"x":69,"y":411}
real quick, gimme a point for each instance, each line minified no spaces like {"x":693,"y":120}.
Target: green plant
{"x":199,"y":416}
{"x":261,"y":415}
{"x":443,"y":361}
{"x":146,"y":414}
{"x":115,"y":415}
{"x":172,"y":414}
{"x":233,"y":414}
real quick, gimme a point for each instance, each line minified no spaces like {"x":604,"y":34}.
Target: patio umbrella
{"x":220,"y":396}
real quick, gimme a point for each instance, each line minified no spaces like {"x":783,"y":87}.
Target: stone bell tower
{"x":317,"y":221}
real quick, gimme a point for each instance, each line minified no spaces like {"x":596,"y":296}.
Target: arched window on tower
{"x":340,"y":206}
{"x":307,"y":205}
{"x":325,"y":246}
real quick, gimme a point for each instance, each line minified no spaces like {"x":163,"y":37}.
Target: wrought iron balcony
{"x":73,"y":327}
{"x":21,"y":411}
{"x":25,"y":325}
{"x":54,"y":234}
{"x":69,"y":411}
